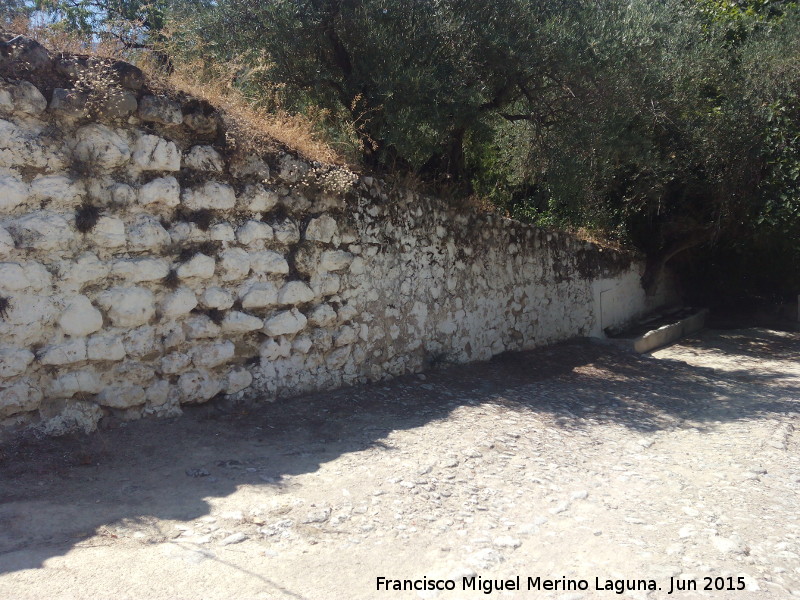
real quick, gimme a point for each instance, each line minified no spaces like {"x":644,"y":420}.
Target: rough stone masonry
{"x":147,"y":263}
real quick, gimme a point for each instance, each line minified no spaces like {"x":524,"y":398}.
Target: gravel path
{"x":572,"y":464}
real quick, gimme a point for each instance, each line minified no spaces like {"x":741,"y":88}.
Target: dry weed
{"x":599,"y":238}
{"x":250,"y":128}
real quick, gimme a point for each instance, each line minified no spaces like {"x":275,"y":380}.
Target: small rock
{"x":727,"y":545}
{"x":234,"y":538}
{"x":506,"y":541}
{"x":318,"y":516}
{"x":685,"y":532}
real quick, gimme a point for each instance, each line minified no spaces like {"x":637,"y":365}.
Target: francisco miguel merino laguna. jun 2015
{"x":488,"y":586}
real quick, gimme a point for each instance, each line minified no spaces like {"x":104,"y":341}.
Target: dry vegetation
{"x":248,"y":125}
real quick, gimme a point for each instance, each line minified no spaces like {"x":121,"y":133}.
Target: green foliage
{"x":673,"y":125}
{"x":132,"y":24}
{"x":129,"y":18}
{"x":655,"y":121}
{"x":414,"y":79}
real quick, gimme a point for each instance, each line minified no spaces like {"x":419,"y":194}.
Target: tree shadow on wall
{"x":55,"y":494}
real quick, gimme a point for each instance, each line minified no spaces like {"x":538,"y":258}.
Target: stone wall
{"x":146,"y":263}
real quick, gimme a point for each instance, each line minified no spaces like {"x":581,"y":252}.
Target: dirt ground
{"x":575,"y":464}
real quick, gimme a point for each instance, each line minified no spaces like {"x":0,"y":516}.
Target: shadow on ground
{"x":56,"y":494}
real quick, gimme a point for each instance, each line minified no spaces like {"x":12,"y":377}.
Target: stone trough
{"x":661,"y":329}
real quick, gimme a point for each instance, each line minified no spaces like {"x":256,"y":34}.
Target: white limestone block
{"x":172,"y":333}
{"x":85,"y":269}
{"x":295,"y":292}
{"x":239,"y":322}
{"x":212,"y":355}
{"x":13,"y":192}
{"x":130,"y":372}
{"x":200,"y":327}
{"x":268,"y":262}
{"x":203,"y":158}
{"x":67,"y":385}
{"x":321,"y":229}
{"x":29,"y":319}
{"x":238,"y":379}
{"x":335,"y":260}
{"x":80,"y":317}
{"x":198,"y":386}
{"x":158,"y":393}
{"x":109,"y":232}
{"x":63,"y":354}
{"x":274,"y":349}
{"x":325,"y":284}
{"x":12,"y":277}
{"x":260,"y":295}
{"x":153,"y":153}
{"x":186,"y":232}
{"x":140,"y":269}
{"x":285,"y":323}
{"x":253,"y":231}
{"x":164,"y":191}
{"x":101,"y":147}
{"x":345,"y":336}
{"x":180,"y":302}
{"x":58,"y":188}
{"x":234,"y":263}
{"x":211,"y":195}
{"x":200,"y":266}
{"x":122,"y":194}
{"x":41,"y":230}
{"x":175,"y":362}
{"x":147,"y":233}
{"x":216,"y":297}
{"x":257,"y":198}
{"x":28,"y":99}
{"x":337,"y":359}
{"x":141,"y":342}
{"x":6,"y":243}
{"x":122,"y":396}
{"x":302,"y":344}
{"x":322,"y":316}
{"x":14,"y":361}
{"x":38,"y":276}
{"x":105,"y":346}
{"x":127,"y":306}
{"x":286,"y":232}
{"x":22,"y":396}
{"x":222,"y":232}
{"x":346,"y":313}
{"x":358,"y":266}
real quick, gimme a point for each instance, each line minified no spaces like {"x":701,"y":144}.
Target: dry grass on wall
{"x":249,"y":127}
